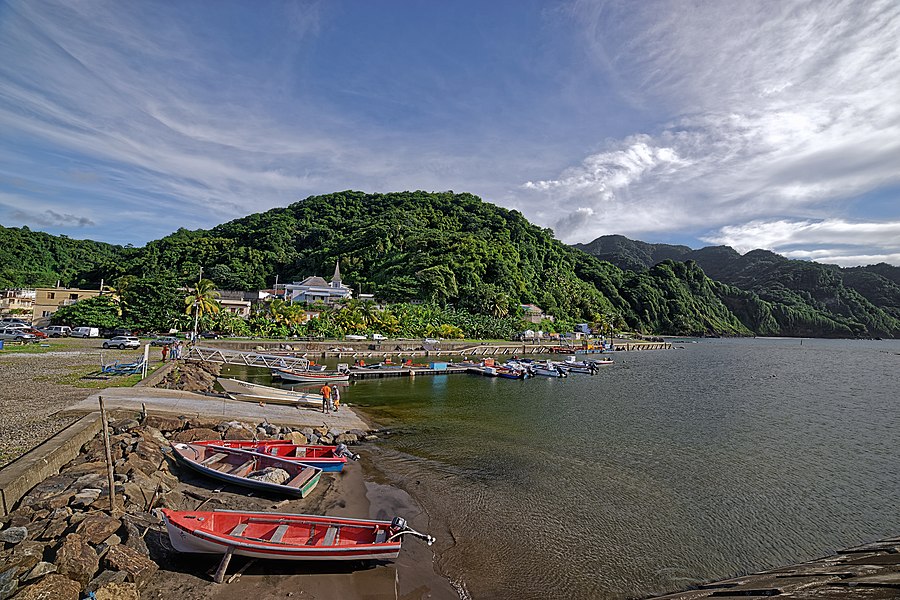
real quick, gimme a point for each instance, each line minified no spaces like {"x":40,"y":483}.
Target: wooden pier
{"x":363,"y":373}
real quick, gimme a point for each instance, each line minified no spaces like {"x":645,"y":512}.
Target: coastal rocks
{"x":191,"y":377}
{"x":40,"y":570}
{"x":51,"y":587}
{"x":138,"y":568}
{"x":193,"y":435}
{"x":8,"y":583}
{"x":13,"y":535}
{"x":77,"y":560}
{"x":123,"y":425}
{"x":270,"y":475}
{"x":346,"y":438}
{"x":86,"y":497}
{"x":238,"y":433}
{"x":161,"y":423}
{"x":295,"y":437}
{"x":97,"y":527}
{"x":117,"y":591}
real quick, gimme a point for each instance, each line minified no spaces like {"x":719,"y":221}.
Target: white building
{"x":316,"y":289}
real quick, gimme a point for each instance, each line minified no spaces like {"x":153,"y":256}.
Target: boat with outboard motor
{"x":327,"y":458}
{"x":285,"y":536}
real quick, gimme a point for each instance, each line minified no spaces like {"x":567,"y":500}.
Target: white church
{"x":316,"y":289}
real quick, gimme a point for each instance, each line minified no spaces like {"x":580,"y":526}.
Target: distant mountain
{"x":780,"y":296}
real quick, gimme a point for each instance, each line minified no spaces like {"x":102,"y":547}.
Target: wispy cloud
{"x":780,"y":110}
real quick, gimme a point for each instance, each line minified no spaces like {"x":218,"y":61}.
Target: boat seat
{"x":239,"y":468}
{"x":330,"y":536}
{"x":279,"y":534}
{"x":238,"y":530}
{"x":301,"y":478}
{"x":213,"y":459}
{"x":381,"y":536}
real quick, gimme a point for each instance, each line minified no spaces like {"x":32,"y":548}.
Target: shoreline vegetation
{"x":451,"y":265}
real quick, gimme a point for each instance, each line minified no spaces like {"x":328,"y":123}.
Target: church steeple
{"x":336,"y":280}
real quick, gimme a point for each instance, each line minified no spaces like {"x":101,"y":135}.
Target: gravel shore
{"x":36,"y":386}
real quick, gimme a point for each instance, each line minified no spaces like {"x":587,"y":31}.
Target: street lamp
{"x":196,"y":317}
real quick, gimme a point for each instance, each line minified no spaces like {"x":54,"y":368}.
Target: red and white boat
{"x":327,"y":458}
{"x":286,"y":536}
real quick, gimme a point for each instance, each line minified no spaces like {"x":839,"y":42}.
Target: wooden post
{"x":223,"y":566}
{"x":109,"y":464}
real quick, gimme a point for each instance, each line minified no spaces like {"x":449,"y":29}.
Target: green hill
{"x":445,"y":248}
{"x":773,"y":295}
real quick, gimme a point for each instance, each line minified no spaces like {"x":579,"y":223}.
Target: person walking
{"x":336,"y":396}
{"x":326,"y":398}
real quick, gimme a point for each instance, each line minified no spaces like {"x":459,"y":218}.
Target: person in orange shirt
{"x":326,"y":398}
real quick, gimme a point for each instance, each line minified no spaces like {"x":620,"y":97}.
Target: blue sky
{"x":755,"y":124}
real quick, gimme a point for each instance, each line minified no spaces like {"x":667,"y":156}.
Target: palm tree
{"x":202,"y":301}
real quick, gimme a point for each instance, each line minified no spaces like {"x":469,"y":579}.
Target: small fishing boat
{"x":249,"y":469}
{"x":254,"y":392}
{"x":510,"y":373}
{"x":309,"y":376}
{"x":285,"y":536}
{"x":327,"y":458}
{"x":548,"y":370}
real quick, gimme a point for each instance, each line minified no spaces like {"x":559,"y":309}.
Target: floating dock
{"x":363,"y":373}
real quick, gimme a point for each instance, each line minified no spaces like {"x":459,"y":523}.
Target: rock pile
{"x":193,"y":376}
{"x":62,"y":542}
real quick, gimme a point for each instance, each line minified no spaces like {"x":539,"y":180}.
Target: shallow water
{"x":666,"y":469}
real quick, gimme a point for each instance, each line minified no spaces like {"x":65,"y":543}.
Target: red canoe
{"x":286,"y":536}
{"x":327,"y":458}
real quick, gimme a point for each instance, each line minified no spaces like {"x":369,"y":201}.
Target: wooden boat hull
{"x":310,"y":377}
{"x":320,"y":457}
{"x":280,"y":536}
{"x":244,"y":390}
{"x":233,"y":465}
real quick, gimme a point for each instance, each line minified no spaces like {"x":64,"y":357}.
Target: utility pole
{"x":197,"y":305}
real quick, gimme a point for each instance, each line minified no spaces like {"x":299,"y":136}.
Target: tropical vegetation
{"x":448,"y":265}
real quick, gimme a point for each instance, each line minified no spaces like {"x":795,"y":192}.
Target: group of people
{"x":174,"y":350}
{"x":331,"y":398}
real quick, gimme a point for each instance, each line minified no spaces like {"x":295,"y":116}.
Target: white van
{"x":378,"y":337}
{"x":84,"y":332}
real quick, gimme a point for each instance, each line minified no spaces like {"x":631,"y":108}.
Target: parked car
{"x":164,"y":340}
{"x":354,"y":338}
{"x":122,"y":341}
{"x":10,"y":322}
{"x":16,"y":334}
{"x":36,"y":333}
{"x":84,"y":332}
{"x":111,"y":333}
{"x":378,"y":337}
{"x":210,"y":335}
{"x":57,"y":330}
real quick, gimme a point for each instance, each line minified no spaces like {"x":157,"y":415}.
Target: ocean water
{"x":665,"y":470}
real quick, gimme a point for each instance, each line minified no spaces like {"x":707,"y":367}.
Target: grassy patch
{"x":9,"y":348}
{"x":92,"y":378}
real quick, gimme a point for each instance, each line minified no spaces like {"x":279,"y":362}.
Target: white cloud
{"x":774,"y":110}
{"x":834,"y":241}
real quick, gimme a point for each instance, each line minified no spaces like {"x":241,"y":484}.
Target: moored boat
{"x":327,"y":458}
{"x":254,"y":392}
{"x":249,"y":469}
{"x":286,"y":536}
{"x":548,"y":370}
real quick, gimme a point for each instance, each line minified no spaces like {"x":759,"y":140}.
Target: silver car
{"x":16,"y":334}
{"x":122,"y":341}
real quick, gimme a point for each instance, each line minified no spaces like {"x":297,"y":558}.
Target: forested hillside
{"x":444,"y":248}
{"x":456,"y":251}
{"x":773,"y":295}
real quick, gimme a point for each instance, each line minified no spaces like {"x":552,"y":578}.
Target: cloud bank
{"x":773,"y":113}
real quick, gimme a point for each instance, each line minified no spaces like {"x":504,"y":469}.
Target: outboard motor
{"x":399,"y":528}
{"x":342,"y":450}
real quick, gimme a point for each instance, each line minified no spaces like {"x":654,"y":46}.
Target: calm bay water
{"x":666,"y":469}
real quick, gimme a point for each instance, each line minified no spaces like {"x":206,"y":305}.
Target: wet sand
{"x":411,"y":576}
